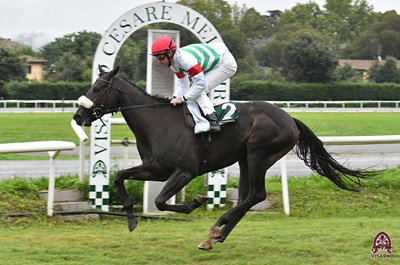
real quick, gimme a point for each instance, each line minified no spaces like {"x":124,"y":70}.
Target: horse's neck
{"x":132,"y":95}
{"x":137,"y":117}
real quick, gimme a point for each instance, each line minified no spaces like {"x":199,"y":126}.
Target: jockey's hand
{"x":176,"y":101}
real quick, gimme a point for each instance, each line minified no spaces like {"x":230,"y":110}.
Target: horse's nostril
{"x":77,"y":118}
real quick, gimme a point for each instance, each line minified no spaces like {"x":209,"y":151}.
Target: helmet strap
{"x":169,"y":58}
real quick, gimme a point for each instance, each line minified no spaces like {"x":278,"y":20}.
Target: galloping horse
{"x":171,"y":152}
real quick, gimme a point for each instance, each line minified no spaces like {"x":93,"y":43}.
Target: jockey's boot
{"x":214,"y":125}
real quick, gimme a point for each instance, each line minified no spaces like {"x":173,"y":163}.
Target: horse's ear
{"x":101,"y":70}
{"x":115,"y":71}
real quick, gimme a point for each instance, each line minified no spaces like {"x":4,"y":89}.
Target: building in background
{"x":35,"y":69}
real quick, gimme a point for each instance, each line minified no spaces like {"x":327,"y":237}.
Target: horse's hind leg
{"x":229,"y":220}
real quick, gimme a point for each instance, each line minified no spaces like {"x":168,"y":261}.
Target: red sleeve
{"x":195,"y":70}
{"x":180,"y":75}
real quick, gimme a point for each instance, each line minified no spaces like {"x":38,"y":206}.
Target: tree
{"x":70,"y":56}
{"x":381,"y":39}
{"x":274,"y":48}
{"x":254,"y":25}
{"x":307,"y":15}
{"x":347,"y":73}
{"x":12,"y":67}
{"x":388,"y":72}
{"x":130,"y":59}
{"x":309,"y":58}
{"x":12,"y":64}
{"x":342,"y":19}
{"x":346,"y":19}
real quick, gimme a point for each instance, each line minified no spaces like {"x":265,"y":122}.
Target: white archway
{"x":138,"y":17}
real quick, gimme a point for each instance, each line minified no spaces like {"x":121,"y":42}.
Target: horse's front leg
{"x":135,"y":173}
{"x":175,"y":183}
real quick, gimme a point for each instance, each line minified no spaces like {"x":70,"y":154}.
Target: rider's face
{"x":164,"y":61}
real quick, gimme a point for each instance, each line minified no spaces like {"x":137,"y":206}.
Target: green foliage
{"x":309,"y":58}
{"x":45,"y":90}
{"x":347,"y":73}
{"x":345,"y":19}
{"x":304,"y":15}
{"x":311,"y":196}
{"x":382,"y":38}
{"x":70,"y":56}
{"x":12,"y":64}
{"x":18,"y":185}
{"x":133,"y":187}
{"x":130,"y":59}
{"x":195,"y":187}
{"x":387,"y":72}
{"x":271,"y":90}
{"x":254,"y":25}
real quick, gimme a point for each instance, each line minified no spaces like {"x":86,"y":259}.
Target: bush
{"x":45,"y":90}
{"x":270,"y":90}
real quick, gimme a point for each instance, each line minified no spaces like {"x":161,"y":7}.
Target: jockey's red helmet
{"x":162,"y":45}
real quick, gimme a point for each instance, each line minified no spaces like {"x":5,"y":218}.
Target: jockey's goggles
{"x":160,"y":57}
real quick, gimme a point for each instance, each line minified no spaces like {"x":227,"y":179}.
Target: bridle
{"x":98,"y":112}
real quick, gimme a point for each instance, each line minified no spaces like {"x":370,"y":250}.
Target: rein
{"x":120,"y":109}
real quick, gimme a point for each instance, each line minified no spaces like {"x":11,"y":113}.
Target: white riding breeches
{"x":216,"y":76}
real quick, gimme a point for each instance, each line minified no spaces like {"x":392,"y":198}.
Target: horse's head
{"x":100,"y":98}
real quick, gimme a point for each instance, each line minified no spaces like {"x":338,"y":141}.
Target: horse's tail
{"x":310,"y":149}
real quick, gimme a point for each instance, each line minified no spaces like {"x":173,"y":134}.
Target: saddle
{"x":195,"y":118}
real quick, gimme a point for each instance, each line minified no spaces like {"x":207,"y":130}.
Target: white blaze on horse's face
{"x":85,"y":102}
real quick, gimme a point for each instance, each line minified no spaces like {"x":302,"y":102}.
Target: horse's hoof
{"x":206,"y":244}
{"x":201,"y":199}
{"x":132,"y":223}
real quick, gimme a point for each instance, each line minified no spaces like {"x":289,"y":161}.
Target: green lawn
{"x":258,"y":239}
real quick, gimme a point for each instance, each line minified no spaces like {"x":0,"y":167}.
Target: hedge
{"x":278,"y":91}
{"x":45,"y":90}
{"x":246,"y":90}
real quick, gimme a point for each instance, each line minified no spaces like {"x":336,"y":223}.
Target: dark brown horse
{"x":171,"y":152}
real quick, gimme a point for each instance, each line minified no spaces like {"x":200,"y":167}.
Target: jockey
{"x":208,"y":65}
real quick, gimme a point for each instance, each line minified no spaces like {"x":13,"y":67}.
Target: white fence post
{"x":83,"y":139}
{"x":53,"y":148}
{"x":285,"y":189}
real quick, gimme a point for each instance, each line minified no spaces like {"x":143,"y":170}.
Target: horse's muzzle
{"x":83,"y":117}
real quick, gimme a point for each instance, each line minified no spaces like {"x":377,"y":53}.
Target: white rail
{"x":54,"y":104}
{"x":38,"y":103}
{"x":52,"y":147}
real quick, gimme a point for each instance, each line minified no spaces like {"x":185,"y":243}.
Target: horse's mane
{"x":157,"y":98}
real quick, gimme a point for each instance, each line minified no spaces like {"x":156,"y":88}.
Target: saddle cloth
{"x":226,"y":113}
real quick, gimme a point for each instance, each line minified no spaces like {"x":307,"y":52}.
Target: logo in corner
{"x":99,"y":168}
{"x":383,"y":245}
